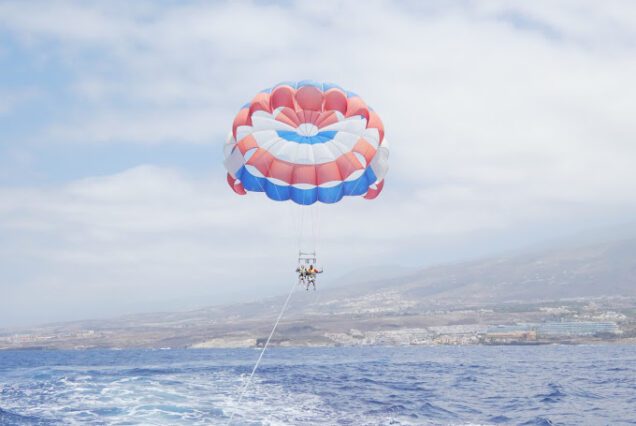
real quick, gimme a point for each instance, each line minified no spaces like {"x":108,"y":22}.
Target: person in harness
{"x":311,"y":273}
{"x":302,"y":275}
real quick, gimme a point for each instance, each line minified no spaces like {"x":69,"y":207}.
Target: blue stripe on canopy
{"x":293,"y":136}
{"x":329,"y":195}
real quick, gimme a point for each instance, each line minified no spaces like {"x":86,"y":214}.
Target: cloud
{"x":181,"y":125}
{"x":150,"y":239}
{"x":12,"y":99}
{"x":504,"y":117}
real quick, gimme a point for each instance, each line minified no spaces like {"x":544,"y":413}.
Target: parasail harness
{"x":307,"y":269}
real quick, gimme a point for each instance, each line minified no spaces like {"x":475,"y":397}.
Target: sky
{"x":510,"y":123}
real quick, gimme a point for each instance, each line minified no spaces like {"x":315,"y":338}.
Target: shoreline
{"x":583,"y":342}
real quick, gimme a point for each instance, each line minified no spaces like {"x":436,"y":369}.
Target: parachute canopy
{"x":306,"y":142}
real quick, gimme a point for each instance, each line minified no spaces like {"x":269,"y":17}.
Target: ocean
{"x":412,"y":385}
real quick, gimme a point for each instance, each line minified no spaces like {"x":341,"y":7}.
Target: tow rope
{"x":260,"y":357}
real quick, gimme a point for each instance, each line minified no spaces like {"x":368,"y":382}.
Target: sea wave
{"x":315,"y":386}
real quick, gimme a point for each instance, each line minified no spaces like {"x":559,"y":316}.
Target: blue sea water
{"x":440,"y":385}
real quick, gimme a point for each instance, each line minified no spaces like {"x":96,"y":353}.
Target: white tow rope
{"x":260,"y":357}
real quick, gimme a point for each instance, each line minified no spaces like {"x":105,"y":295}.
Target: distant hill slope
{"x":591,"y":271}
{"x":436,"y":296}
{"x":598,"y":270}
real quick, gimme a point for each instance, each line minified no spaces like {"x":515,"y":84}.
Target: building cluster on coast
{"x":25,"y":339}
{"x":550,"y":331}
{"x":523,"y":333}
{"x":578,"y":321}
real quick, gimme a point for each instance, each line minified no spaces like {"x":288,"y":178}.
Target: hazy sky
{"x":509,"y":122}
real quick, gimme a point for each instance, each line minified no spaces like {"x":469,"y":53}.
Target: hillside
{"x":591,"y":271}
{"x":582,"y":282}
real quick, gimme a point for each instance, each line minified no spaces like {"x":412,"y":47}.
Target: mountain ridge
{"x":429,"y":297}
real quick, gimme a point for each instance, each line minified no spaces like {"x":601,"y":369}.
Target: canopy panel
{"x":307,"y":142}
